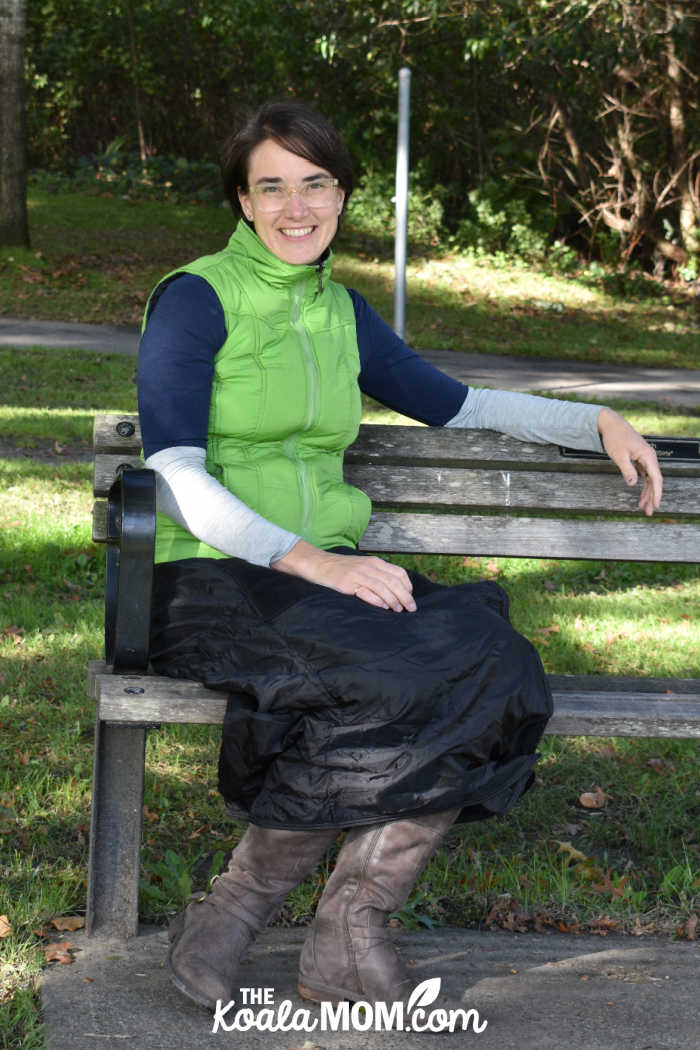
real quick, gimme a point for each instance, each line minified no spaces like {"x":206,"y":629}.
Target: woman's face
{"x":297,"y":233}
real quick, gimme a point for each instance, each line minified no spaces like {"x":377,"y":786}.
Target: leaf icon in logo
{"x":424,"y":994}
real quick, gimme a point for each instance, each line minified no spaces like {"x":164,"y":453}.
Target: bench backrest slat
{"x":511,"y":489}
{"x":433,"y":489}
{"x":510,"y":537}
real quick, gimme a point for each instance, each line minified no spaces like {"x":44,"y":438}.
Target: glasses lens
{"x":320,"y":193}
{"x":270,"y":198}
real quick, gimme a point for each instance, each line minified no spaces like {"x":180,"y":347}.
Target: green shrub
{"x":504,"y":218}
{"x":371,"y":210}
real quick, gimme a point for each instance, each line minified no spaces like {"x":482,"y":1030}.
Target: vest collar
{"x":278,"y":274}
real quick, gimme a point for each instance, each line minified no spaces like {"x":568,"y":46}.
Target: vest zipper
{"x":312,"y":391}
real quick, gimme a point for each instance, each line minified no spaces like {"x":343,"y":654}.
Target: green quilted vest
{"x":285,"y":402}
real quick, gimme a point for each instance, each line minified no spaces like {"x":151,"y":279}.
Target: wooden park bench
{"x":438,"y":491}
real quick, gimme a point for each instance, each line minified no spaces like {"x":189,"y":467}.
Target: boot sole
{"x":327,"y":994}
{"x":174,"y":932}
{"x":192,"y":995}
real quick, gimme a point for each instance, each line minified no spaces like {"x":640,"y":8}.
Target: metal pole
{"x":401,"y":200}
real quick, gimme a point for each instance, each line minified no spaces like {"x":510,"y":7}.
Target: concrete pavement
{"x":534,"y":991}
{"x":676,"y":386}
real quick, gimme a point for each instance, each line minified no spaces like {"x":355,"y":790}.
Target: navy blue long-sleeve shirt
{"x":186,"y":329}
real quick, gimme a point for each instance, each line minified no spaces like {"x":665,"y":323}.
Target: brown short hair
{"x":296,"y":127}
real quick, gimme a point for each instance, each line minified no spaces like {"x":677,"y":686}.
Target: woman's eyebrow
{"x":277,"y":179}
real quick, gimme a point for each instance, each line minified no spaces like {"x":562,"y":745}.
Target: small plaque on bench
{"x":666,"y":448}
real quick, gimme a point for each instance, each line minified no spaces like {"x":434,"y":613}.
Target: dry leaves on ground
{"x":5,"y":927}
{"x":68,"y":923}
{"x":689,"y":930}
{"x":593,"y":799}
{"x":58,"y":951}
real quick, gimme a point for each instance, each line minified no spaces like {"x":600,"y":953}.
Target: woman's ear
{"x":245,"y":204}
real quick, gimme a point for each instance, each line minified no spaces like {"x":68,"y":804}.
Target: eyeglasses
{"x":321,"y":192}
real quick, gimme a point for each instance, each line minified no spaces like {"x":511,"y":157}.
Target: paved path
{"x":666,"y":385}
{"x":535,"y":991}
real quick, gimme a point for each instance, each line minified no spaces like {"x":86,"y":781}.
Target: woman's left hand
{"x":631,"y":453}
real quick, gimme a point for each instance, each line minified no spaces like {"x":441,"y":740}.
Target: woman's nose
{"x":296,"y":205}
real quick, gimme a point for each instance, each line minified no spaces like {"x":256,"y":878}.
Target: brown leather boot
{"x":210,"y":937}
{"x":349,"y":953}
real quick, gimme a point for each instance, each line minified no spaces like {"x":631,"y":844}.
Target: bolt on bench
{"x":434,"y":491}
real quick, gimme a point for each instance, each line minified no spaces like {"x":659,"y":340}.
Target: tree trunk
{"x":679,"y":138}
{"x":14,"y":229}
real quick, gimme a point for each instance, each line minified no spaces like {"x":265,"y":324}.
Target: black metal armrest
{"x":131,"y":530}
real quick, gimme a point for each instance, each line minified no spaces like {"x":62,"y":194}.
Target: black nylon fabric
{"x":340,"y":714}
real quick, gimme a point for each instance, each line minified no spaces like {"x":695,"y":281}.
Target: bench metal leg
{"x":115,"y":837}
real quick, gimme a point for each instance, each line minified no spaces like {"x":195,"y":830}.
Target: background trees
{"x":13,"y":210}
{"x":574,"y":120}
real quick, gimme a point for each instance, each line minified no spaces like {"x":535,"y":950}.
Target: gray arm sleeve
{"x":530,"y":418}
{"x":187,"y":493}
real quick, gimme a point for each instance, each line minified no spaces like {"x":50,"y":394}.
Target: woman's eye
{"x":271,"y":191}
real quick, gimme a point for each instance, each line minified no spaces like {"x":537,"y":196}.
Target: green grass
{"x":96,"y":258}
{"x":52,"y":395}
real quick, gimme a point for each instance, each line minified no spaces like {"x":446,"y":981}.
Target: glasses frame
{"x":289,"y":189}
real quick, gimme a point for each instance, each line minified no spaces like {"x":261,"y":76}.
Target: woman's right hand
{"x":370,"y":579}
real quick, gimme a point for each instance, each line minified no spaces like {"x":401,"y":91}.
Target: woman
{"x":340,"y":714}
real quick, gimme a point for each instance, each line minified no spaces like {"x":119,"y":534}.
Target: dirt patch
{"x":47,"y":451}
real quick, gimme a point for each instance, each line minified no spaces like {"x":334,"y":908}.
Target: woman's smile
{"x":302,"y":231}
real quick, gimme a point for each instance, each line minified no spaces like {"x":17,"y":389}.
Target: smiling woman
{"x":360,"y":695}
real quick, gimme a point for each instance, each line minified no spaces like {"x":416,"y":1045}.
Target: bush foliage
{"x":531,"y":122}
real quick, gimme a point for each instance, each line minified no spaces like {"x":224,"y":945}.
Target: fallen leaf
{"x":606,"y":886}
{"x":58,"y":952}
{"x":5,"y":928}
{"x":657,"y":764}
{"x":575,"y":855}
{"x":508,"y":913}
{"x":68,"y":923}
{"x":593,"y":799}
{"x":553,"y":628}
{"x":606,"y":923}
{"x":690,"y":928}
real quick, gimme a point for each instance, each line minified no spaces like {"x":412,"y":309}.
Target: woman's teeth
{"x":302,"y":232}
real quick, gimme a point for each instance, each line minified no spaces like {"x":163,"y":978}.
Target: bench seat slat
{"x":609,"y":713}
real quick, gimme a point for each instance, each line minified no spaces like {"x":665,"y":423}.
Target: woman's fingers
{"x":631,"y":453}
{"x":382,"y":584}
